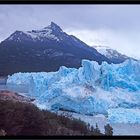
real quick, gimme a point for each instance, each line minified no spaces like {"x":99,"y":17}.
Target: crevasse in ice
{"x":91,"y":89}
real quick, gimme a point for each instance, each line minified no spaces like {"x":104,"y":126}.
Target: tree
{"x":88,"y":126}
{"x":108,"y":130}
{"x":97,"y":130}
{"x":19,"y":118}
{"x":92,"y":129}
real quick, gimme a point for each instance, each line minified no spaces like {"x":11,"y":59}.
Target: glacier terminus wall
{"x":109,"y":89}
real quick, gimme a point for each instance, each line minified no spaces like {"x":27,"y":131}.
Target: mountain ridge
{"x":112,"y":54}
{"x":45,"y":50}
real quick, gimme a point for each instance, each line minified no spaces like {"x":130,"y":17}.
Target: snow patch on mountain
{"x":102,"y":49}
{"x":40,"y":34}
{"x":108,"y":52}
{"x":34,"y":35}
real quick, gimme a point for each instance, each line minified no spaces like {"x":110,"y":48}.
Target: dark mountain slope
{"x":44,"y":50}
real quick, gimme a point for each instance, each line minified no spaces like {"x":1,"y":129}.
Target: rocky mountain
{"x":112,"y":54}
{"x":44,"y":50}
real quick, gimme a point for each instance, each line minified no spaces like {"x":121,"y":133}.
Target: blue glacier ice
{"x":121,"y":115}
{"x":91,"y":89}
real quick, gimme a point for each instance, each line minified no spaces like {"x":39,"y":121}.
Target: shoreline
{"x":119,"y":129}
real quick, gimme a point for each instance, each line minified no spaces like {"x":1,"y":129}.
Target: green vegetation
{"x":19,"y":118}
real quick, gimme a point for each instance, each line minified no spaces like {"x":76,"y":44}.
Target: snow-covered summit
{"x":108,"y":52}
{"x":54,"y":27}
{"x":49,"y":32}
{"x":112,"y":54}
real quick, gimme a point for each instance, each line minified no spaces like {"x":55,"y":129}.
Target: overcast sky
{"x":116,"y":26}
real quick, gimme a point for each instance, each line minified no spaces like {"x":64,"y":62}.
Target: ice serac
{"x":90,"y":72}
{"x":91,"y":89}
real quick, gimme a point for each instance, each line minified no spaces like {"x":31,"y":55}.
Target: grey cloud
{"x":124,"y":19}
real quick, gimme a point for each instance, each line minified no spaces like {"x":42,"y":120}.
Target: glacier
{"x":92,"y":89}
{"x":121,"y":115}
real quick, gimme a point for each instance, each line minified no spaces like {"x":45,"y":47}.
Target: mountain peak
{"x":49,"y":32}
{"x":53,"y":26}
